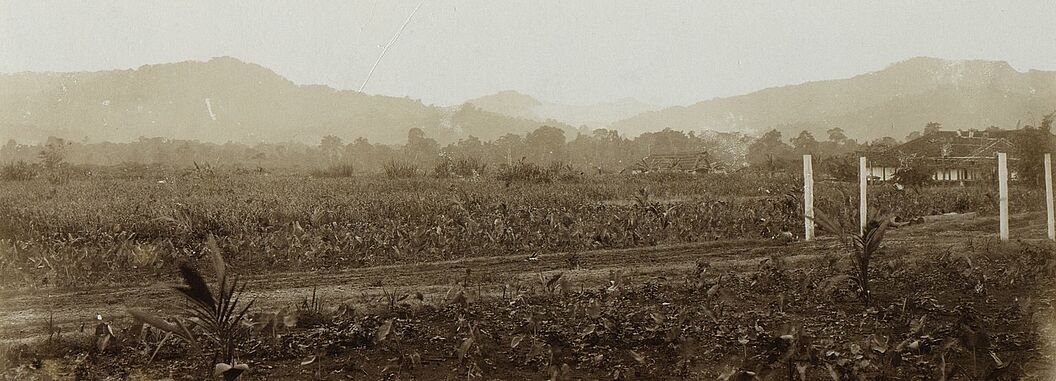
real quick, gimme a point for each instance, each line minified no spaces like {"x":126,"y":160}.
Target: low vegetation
{"x":20,"y":171}
{"x":532,"y":173}
{"x":401,"y":170}
{"x":335,"y":170}
{"x":772,"y":318}
{"x":289,"y":222}
{"x":466,"y":167}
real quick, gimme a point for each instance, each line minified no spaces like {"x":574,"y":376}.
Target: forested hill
{"x":223,"y":100}
{"x":891,"y":102}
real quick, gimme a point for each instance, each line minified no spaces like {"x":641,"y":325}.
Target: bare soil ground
{"x":25,"y":315}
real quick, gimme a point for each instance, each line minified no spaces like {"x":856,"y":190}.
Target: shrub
{"x":914,"y":174}
{"x":465,"y":167}
{"x":400,"y":170}
{"x":335,"y":170}
{"x":523,"y":171}
{"x":841,"y":168}
{"x":20,"y":171}
{"x":527,"y":172}
{"x":564,"y":172}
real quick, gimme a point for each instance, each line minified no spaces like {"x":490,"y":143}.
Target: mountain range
{"x":222,"y":100}
{"x":225,"y":99}
{"x":895,"y":101}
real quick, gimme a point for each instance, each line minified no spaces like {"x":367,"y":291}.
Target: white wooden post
{"x":863,"y":179}
{"x":1048,"y":197}
{"x":1002,"y":187}
{"x":808,"y":199}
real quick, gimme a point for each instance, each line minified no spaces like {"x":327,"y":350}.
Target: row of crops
{"x":118,"y":230}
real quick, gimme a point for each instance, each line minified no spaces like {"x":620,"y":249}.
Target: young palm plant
{"x":865,"y":245}
{"x":219,"y":315}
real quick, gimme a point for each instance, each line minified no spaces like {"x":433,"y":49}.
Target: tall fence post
{"x":1048,"y":197}
{"x":863,"y":180}
{"x":808,"y":198}
{"x":1002,"y":187}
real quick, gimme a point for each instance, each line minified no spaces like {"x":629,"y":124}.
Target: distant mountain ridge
{"x":225,"y":99}
{"x":891,"y":102}
{"x":221,"y":100}
{"x":598,"y":115}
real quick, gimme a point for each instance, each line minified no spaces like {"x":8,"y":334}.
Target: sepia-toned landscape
{"x":210,"y":218}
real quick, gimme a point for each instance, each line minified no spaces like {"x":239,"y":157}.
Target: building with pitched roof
{"x":962,"y":155}
{"x":689,"y":162}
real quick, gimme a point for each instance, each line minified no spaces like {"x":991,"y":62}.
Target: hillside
{"x":598,"y":115}
{"x":221,"y":100}
{"x":891,"y":102}
{"x":225,"y":99}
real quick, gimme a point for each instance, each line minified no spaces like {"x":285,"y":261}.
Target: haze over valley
{"x":226,"y":99}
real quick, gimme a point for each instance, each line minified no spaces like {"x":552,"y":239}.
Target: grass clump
{"x":335,"y":171}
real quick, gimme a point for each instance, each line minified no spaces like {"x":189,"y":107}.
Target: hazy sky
{"x":570,"y":51}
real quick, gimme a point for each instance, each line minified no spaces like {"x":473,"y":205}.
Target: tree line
{"x":599,"y":150}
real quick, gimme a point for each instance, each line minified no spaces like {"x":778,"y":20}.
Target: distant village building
{"x":961,"y":156}
{"x":686,"y":162}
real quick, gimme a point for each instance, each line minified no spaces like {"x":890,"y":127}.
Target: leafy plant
{"x":393,"y":297}
{"x":865,"y":245}
{"x":657,"y":210}
{"x":538,"y":348}
{"x":469,"y":351}
{"x":554,"y":283}
{"x":219,"y":315}
{"x":386,"y":336}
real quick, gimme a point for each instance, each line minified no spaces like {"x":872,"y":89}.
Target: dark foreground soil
{"x":949,"y":301}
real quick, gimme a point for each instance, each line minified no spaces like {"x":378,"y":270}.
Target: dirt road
{"x":25,"y":314}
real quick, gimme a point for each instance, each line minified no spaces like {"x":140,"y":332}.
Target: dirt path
{"x":24,"y":314}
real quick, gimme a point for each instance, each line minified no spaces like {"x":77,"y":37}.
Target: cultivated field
{"x":626,"y":277}
{"x":117,"y":230}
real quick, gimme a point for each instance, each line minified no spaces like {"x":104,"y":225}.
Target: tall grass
{"x":466,"y":167}
{"x":528,"y":172}
{"x":20,"y":171}
{"x":335,"y":170}
{"x":400,"y":170}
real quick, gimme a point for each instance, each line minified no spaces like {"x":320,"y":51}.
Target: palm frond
{"x":157,"y":322}
{"x":195,"y":289}
{"x":219,"y":314}
{"x":865,"y":244}
{"x":827,"y":223}
{"x":218,"y":259}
